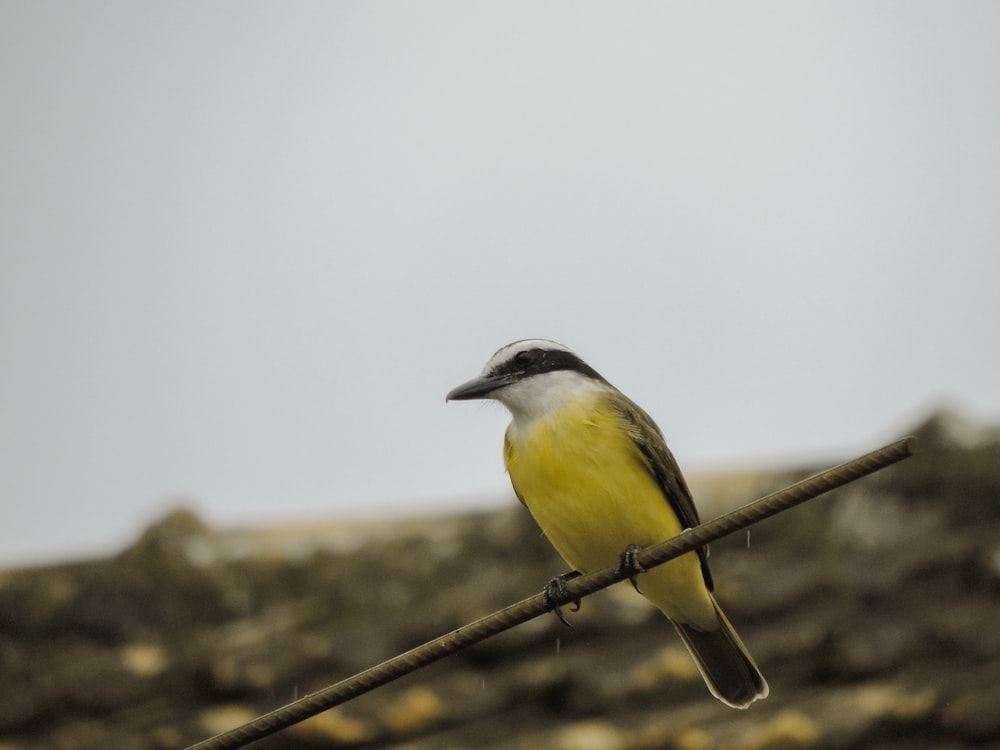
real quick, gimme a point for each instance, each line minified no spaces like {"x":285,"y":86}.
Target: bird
{"x":595,"y":472}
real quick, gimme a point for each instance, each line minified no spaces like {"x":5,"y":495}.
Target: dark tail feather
{"x":723,"y":661}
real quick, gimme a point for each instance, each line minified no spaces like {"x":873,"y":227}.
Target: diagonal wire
{"x":575,"y":589}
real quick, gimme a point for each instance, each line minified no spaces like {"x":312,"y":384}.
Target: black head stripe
{"x":539,"y":360}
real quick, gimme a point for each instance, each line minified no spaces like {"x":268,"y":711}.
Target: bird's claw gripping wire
{"x":555,"y":593}
{"x":629,"y":566}
{"x":555,"y":590}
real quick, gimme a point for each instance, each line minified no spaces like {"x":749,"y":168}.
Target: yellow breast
{"x":580,"y":475}
{"x":582,"y":478}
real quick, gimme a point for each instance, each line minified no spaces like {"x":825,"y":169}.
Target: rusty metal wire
{"x":577,"y":588}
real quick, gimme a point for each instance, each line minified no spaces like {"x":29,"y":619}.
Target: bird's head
{"x":531,"y":378}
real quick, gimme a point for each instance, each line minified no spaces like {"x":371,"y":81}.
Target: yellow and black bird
{"x":596,"y":474}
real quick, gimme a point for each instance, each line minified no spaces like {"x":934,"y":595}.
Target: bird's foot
{"x":629,"y":566}
{"x":555,"y":595}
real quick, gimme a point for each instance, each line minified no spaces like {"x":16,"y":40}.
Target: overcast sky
{"x":248,"y":247}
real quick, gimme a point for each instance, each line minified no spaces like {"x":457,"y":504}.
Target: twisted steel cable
{"x":575,"y":589}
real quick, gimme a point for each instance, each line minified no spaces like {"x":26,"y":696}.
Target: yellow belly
{"x":581,"y":477}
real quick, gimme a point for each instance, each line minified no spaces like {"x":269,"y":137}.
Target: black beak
{"x":480,"y":387}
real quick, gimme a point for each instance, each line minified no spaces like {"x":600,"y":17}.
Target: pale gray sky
{"x":248,"y":247}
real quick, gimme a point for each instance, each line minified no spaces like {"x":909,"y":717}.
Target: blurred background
{"x":246,"y":248}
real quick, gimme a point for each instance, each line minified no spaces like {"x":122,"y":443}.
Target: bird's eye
{"x":524,"y":358}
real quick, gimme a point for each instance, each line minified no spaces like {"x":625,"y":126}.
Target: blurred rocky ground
{"x":873,"y":612}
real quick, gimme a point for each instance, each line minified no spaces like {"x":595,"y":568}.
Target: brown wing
{"x":657,"y":459}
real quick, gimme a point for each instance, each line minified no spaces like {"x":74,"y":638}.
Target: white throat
{"x":545,"y":394}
